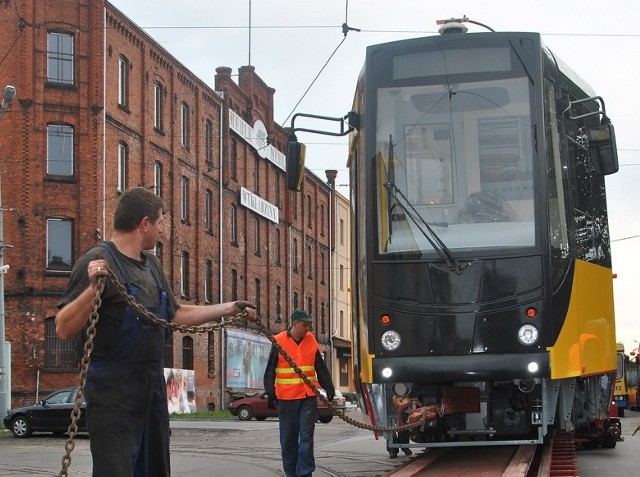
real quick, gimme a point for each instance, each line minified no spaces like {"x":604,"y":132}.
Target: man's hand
{"x":248,"y":307}
{"x":272,"y":402}
{"x":330,"y":395}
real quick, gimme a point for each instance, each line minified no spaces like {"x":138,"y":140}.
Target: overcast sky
{"x":290,"y":41}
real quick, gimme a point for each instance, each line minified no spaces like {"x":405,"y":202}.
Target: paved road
{"x":214,"y":448}
{"x":621,"y":461}
{"x":237,"y":448}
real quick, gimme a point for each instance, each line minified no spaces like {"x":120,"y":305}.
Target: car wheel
{"x":325,"y":419}
{"x":20,"y":426}
{"x":245,"y":413}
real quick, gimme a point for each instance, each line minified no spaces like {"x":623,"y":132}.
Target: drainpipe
{"x":104,"y":129}
{"x":331,"y":181}
{"x":220,"y":256}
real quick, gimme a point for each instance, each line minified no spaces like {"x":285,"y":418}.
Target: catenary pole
{"x":4,"y":359}
{"x":5,"y":355}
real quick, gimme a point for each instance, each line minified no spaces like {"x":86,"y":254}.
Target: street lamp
{"x":7,"y":97}
{"x":5,"y":355}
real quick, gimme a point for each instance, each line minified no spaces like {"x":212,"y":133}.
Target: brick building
{"x":102,"y":107}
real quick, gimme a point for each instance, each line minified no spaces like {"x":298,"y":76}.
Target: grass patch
{"x":223,"y":414}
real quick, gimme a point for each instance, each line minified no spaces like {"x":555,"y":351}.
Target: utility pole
{"x":5,"y":356}
{"x":5,"y":353}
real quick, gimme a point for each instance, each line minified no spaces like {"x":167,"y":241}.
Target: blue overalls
{"x":127,"y":396}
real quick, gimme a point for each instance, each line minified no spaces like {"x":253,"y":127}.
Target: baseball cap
{"x":301,"y":315}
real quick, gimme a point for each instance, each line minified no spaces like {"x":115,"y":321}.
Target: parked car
{"x":51,"y":414}
{"x":256,"y":406}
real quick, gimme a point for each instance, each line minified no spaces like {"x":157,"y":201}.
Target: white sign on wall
{"x":259,"y":205}
{"x":256,"y":136}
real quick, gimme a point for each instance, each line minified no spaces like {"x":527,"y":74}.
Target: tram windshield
{"x":453,"y":163}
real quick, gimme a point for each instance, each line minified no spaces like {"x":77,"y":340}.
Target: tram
{"x":481,"y":267}
{"x":621,"y":389}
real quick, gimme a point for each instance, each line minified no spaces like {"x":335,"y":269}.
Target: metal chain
{"x":86,"y":358}
{"x":88,"y":348}
{"x":242,"y":316}
{"x":338,"y":412}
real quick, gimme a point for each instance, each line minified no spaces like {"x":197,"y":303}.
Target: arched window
{"x":187,"y":352}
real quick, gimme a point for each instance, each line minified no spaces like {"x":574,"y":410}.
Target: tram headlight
{"x":390,"y":340}
{"x":528,"y":334}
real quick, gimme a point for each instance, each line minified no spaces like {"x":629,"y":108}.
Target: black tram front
{"x":481,"y":276}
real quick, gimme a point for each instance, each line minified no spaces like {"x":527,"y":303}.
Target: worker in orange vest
{"x":296,"y":401}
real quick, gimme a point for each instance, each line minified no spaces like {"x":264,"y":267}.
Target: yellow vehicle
{"x":481,"y":278}
{"x":621,"y":389}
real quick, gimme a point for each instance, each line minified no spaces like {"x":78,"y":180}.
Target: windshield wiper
{"x":425,"y":229}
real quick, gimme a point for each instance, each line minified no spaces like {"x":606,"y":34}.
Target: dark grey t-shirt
{"x":113,"y":303}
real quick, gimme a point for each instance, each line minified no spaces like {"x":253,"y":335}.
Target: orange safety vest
{"x":288,"y":384}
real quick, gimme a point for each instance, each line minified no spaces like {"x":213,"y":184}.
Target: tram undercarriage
{"x":516,"y":412}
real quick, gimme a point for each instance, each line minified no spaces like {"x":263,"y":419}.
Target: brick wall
{"x":100,"y":125}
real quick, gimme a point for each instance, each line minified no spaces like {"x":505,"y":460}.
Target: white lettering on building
{"x":256,"y":136}
{"x":259,"y":205}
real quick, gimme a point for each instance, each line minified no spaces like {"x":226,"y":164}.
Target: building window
{"x":295,"y":301}
{"x":341,"y":277}
{"x":159,"y":251}
{"x":234,"y":225}
{"x":123,"y":83}
{"x":310,"y":306}
{"x":257,"y":235}
{"x":341,"y":231}
{"x":258,"y":293}
{"x":278,"y":240}
{"x":157,"y":179}
{"x":309,"y":211}
{"x":184,"y":210}
{"x":211,"y":355}
{"x":122,"y":167}
{"x":187,"y":352}
{"x":208,"y":143}
{"x":234,"y":285}
{"x":256,"y":175}
{"x":158,"y":93}
{"x":322,"y":219}
{"x":233,"y":160}
{"x":295,"y":206}
{"x":185,"y":125}
{"x":184,"y":274}
{"x":208,"y":282}
{"x":309,"y":262}
{"x":295,"y":255}
{"x":278,"y":304}
{"x":60,"y":354}
{"x":59,"y":244}
{"x":208,"y":210}
{"x":322,"y":266}
{"x":60,"y":150}
{"x":342,"y":323}
{"x":322,"y":330}
{"x":60,"y":58}
{"x":168,"y":352}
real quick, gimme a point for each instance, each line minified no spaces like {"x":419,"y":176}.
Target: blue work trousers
{"x":297,"y":423}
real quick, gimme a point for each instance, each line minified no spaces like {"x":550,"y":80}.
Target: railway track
{"x":555,"y":460}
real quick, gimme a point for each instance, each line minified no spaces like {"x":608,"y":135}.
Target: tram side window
{"x":589,"y":199}
{"x":558,"y":234}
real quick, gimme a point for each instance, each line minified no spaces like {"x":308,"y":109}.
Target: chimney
{"x":331,"y":177}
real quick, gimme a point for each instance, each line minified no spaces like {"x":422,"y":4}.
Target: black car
{"x":52,"y":414}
